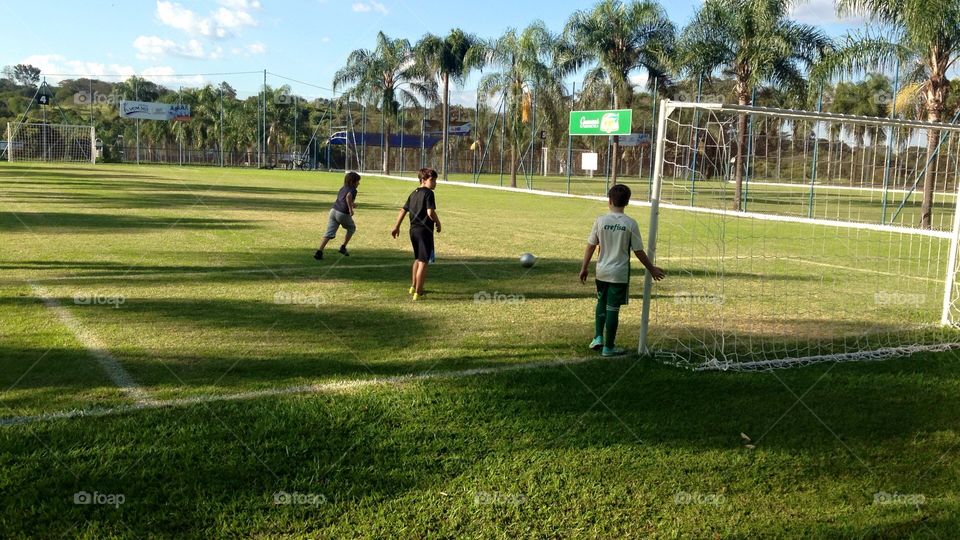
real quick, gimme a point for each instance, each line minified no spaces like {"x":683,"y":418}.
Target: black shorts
{"x":422,"y":240}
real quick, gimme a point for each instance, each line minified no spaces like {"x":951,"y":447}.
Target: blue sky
{"x":173,"y":42}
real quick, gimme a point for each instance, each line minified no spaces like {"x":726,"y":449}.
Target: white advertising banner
{"x":154,"y":111}
{"x":588,"y":161}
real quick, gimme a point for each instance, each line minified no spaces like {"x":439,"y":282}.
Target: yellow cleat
{"x":416,"y":297}
{"x":411,"y":291}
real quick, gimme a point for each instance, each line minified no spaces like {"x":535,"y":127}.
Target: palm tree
{"x":389,"y":74}
{"x":924,"y":35}
{"x":453,"y":56}
{"x":755,"y":42}
{"x":618,"y":39}
{"x":524,"y":61}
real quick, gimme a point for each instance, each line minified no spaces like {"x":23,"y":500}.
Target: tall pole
{"x":749,"y":160}
{"x":503,"y":132}
{"x":264,"y":132}
{"x":573,"y":104}
{"x":696,"y":141}
{"x":180,"y":124}
{"x":886,"y":165}
{"x":816,"y":147}
{"x":221,"y":124}
{"x":136,"y":96}
{"x":652,"y":231}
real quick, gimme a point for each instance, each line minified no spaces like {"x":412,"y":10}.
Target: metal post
{"x":653,"y":136}
{"x":573,"y":104}
{"x":886,"y":165}
{"x":951,"y":262}
{"x":816,"y":152}
{"x":749,"y":160}
{"x":403,"y":118}
{"x":136,"y":97}
{"x":503,"y":131}
{"x":696,"y":141}
{"x":180,"y":124}
{"x":651,"y":251}
{"x":221,"y":124}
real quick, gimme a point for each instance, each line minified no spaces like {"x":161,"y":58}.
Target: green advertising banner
{"x":601,"y":123}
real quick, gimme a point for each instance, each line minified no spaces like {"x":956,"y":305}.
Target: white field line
{"x":827,"y":187}
{"x":712,"y":211}
{"x":95,"y":347}
{"x":346,"y":385}
{"x":214,"y":271}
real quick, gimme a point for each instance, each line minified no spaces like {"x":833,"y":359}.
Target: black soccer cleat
{"x":343,"y":251}
{"x":318,"y":255}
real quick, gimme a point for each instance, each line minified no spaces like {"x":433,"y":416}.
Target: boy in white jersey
{"x":617,"y":234}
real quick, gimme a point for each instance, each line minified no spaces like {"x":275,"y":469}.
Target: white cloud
{"x":256,"y":48}
{"x":221,"y":23}
{"x":639,"y":80}
{"x":52,"y":64}
{"x":240,"y":4}
{"x":821,"y":12}
{"x":151,"y":47}
{"x":325,"y":39}
{"x":167,"y":76}
{"x":372,"y":5}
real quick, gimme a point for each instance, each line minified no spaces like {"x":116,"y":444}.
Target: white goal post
{"x":51,"y":143}
{"x":794,"y":237}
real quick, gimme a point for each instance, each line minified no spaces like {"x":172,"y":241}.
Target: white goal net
{"x":50,"y":142}
{"x":792,"y":237}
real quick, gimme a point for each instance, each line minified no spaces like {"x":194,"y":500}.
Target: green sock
{"x":613,"y":320}
{"x":600,"y":319}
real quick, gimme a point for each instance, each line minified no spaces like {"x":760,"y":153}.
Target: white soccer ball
{"x":527,"y":260}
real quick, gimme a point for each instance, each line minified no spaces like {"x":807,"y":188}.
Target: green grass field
{"x":268,"y":396}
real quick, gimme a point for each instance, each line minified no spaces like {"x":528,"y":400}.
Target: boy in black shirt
{"x":422,"y":207}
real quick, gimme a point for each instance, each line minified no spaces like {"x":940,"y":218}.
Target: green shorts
{"x":613,"y":294}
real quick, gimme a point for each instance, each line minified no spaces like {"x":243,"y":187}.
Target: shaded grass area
{"x":518,"y":454}
{"x":221,"y":295}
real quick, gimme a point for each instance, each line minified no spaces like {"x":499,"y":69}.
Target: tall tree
{"x":618,"y":39}
{"x":755,"y":42}
{"x":923,"y":35}
{"x":390,"y":75}
{"x":450,"y":57}
{"x":524,"y":61}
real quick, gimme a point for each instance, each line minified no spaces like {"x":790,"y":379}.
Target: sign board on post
{"x":601,"y":123}
{"x":588,"y":161}
{"x":154,"y":111}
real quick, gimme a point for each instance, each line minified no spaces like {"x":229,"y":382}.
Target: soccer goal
{"x":795,"y":237}
{"x":50,"y":142}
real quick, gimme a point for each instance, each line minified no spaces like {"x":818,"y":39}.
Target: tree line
{"x":745,"y":51}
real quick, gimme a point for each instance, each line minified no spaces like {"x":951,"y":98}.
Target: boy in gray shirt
{"x":617,"y":234}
